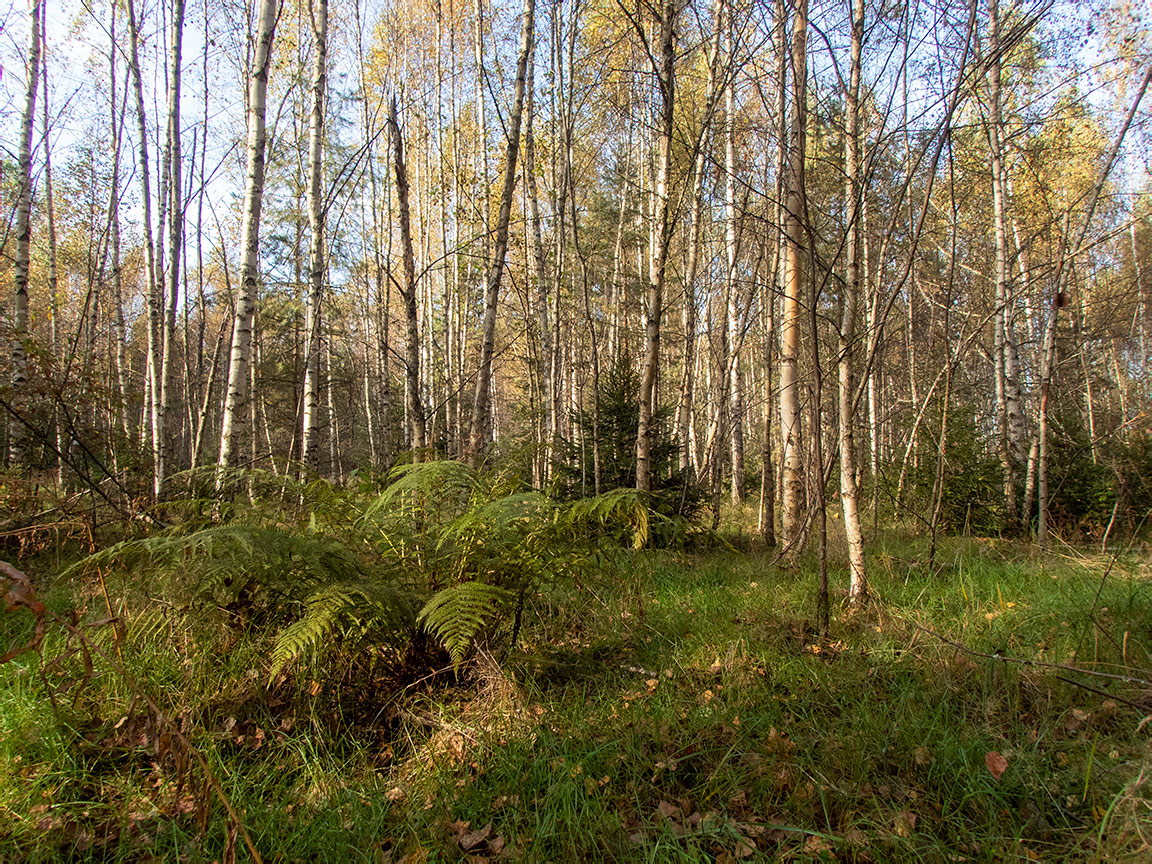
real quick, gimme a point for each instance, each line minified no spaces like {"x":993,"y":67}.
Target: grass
{"x":665,"y":707}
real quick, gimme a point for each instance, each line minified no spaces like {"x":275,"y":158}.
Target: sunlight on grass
{"x":666,"y":707}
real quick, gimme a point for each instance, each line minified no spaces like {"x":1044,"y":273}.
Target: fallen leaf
{"x":745,"y":848}
{"x":469,"y":840}
{"x":923,"y":756}
{"x":669,"y":810}
{"x":904,"y":823}
{"x":996,"y":763}
{"x":815,"y":845}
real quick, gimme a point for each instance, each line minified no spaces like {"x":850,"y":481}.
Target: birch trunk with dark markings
{"x":237,"y":395}
{"x":318,"y":12}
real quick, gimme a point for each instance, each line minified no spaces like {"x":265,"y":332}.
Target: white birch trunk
{"x":318,"y":10}
{"x":237,"y":395}
{"x":793,"y":460}
{"x":858,"y":585}
{"x":17,"y":430}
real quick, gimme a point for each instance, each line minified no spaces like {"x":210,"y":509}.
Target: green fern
{"x":457,"y":615}
{"x":507,"y":528}
{"x":619,"y":509}
{"x":426,"y":485}
{"x":348,"y":612}
{"x":443,"y":548}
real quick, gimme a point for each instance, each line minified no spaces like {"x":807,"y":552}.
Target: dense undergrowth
{"x":587,"y":698}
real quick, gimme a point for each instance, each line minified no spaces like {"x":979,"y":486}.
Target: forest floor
{"x":680,"y":707}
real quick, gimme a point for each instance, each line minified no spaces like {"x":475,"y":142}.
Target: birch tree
{"x":237,"y":395}
{"x":17,"y":429}
{"x":417,"y":429}
{"x":318,"y":13}
{"x":162,"y":432}
{"x":853,"y":195}
{"x":794,"y":249}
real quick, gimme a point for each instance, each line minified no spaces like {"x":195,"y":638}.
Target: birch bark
{"x":237,"y":395}
{"x":318,"y":12}
{"x":17,"y":430}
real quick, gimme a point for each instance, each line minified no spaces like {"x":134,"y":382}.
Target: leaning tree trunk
{"x":481,"y":402}
{"x":18,"y":431}
{"x":309,"y":455}
{"x":236,"y":398}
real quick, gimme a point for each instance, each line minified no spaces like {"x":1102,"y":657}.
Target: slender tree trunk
{"x":544,"y":326}
{"x":318,"y":11}
{"x":18,"y":454}
{"x":53,"y":273}
{"x":481,"y":402}
{"x":154,"y":312}
{"x":162,"y":419}
{"x":482,"y":145}
{"x":688,"y":314}
{"x":767,"y":471}
{"x":662,"y":234}
{"x":734,"y":403}
{"x":1048,"y":364}
{"x":237,"y":395}
{"x":793,"y":491}
{"x":619,"y":259}
{"x":417,"y":428}
{"x":853,"y":193}
{"x":1010,"y":418}
{"x":116,"y":125}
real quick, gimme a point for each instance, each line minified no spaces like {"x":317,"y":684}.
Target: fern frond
{"x":457,"y":615}
{"x":346,"y":610}
{"x":503,"y":522}
{"x":443,"y":482}
{"x":618,"y":509}
{"x":218,"y":563}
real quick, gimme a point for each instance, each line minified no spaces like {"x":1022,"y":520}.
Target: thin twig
{"x":1136,"y":705}
{"x":1006,"y":658}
